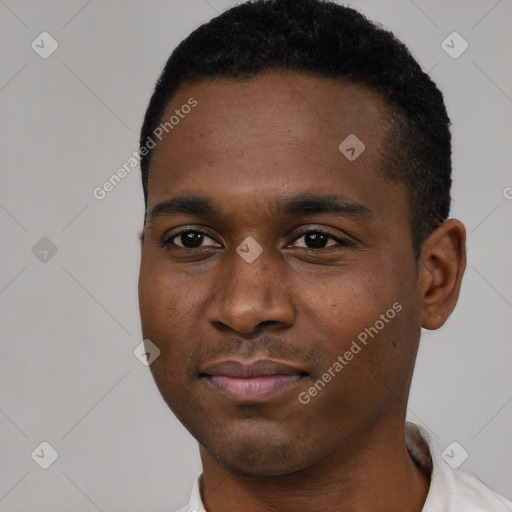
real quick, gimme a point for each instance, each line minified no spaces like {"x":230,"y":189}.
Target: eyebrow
{"x":302,"y":204}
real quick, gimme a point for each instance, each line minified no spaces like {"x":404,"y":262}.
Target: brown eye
{"x":315,"y":239}
{"x":189,"y":239}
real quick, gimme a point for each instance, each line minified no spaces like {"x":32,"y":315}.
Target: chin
{"x":251,"y":463}
{"x":261,"y":453}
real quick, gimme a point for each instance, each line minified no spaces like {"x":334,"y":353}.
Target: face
{"x":277,"y":275}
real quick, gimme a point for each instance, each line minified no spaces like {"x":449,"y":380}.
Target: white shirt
{"x":451,"y":490}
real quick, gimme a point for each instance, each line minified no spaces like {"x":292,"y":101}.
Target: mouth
{"x":254,"y":382}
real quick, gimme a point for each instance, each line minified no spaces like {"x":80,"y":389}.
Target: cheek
{"x":164,"y":296}
{"x":168,"y":319}
{"x":166,"y":324}
{"x":348,"y":301}
{"x":364,"y":317}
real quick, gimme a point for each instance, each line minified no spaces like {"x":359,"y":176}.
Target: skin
{"x":247,"y":145}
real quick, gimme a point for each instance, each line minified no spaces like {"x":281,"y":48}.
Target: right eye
{"x":189,"y":239}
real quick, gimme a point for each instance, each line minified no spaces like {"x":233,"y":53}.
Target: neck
{"x":375,"y":472}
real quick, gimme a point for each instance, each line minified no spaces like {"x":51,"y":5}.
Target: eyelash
{"x":340,"y":241}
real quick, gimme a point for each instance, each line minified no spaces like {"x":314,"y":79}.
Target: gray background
{"x":70,"y":324}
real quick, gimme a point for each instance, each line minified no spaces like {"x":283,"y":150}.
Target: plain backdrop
{"x":70,"y":318}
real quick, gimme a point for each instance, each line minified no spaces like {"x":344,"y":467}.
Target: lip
{"x":253,"y":382}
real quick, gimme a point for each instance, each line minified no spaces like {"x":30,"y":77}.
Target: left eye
{"x":314,"y":239}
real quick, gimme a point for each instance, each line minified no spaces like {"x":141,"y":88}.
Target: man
{"x":296,"y":168}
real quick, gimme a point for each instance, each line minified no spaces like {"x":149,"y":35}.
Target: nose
{"x":250,"y":295}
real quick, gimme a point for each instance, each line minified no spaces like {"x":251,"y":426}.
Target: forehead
{"x":295,"y":108}
{"x":274,"y":132}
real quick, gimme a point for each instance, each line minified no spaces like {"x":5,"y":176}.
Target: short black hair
{"x":329,"y":40}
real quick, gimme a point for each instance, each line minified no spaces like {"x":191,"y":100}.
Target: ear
{"x":441,"y":267}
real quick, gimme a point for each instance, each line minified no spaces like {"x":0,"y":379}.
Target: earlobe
{"x":442,"y":264}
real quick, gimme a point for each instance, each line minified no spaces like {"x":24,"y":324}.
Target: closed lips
{"x":259,"y":368}
{"x":254,"y":382}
